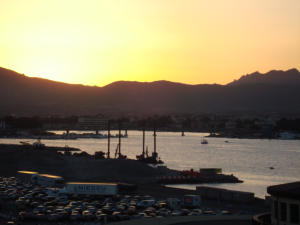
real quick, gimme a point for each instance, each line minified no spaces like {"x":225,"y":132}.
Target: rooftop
{"x":289,"y":190}
{"x":91,"y":183}
{"x":50,"y":176}
{"x":27,"y":172}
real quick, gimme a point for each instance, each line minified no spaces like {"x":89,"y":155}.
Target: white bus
{"x":105,"y":189}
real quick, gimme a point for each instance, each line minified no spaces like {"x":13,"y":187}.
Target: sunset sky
{"x":97,"y":42}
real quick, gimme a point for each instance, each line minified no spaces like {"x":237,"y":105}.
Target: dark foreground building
{"x":285,"y":203}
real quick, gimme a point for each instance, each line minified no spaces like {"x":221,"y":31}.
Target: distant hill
{"x":275,"y":91}
{"x":276,"y":77}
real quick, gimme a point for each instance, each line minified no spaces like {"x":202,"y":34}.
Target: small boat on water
{"x":38,"y":144}
{"x":26,"y":143}
{"x":204,"y":141}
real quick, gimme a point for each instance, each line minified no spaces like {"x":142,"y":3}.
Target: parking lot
{"x":30,"y":202}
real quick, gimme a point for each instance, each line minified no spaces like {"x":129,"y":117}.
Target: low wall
{"x":225,"y":195}
{"x":176,"y":220}
{"x":262,"y":219}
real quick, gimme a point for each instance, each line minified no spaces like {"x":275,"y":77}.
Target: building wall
{"x":225,"y":195}
{"x":25,"y":177}
{"x":288,"y":202}
{"x":93,"y":123}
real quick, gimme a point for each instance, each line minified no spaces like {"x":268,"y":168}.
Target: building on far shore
{"x":2,"y":124}
{"x":92,"y":123}
{"x":285,"y":203}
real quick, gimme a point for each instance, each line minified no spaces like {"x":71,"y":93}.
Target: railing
{"x":262,"y":219}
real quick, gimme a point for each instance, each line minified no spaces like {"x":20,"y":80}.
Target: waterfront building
{"x":230,"y":125}
{"x":285,"y":203}
{"x":2,"y":124}
{"x":288,"y":135}
{"x":92,"y":123}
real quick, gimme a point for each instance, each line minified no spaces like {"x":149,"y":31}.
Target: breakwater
{"x":33,"y":147}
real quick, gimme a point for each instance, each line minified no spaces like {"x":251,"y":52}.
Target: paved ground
{"x":192,"y":220}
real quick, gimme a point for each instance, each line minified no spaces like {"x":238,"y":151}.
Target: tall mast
{"x":143,"y":142}
{"x":108,"y":139}
{"x":154,"y":140}
{"x":119,"y":139}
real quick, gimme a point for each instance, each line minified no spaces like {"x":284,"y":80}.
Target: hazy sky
{"x":191,"y":41}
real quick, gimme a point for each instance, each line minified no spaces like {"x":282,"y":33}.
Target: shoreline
{"x":206,"y":134}
{"x":160,"y":174}
{"x":86,"y":169}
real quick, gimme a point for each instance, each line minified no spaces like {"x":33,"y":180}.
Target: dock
{"x":32,"y":147}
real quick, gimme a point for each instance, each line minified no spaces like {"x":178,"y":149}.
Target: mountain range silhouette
{"x":275,"y":91}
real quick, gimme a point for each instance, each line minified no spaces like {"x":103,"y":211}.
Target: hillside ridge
{"x":275,"y":91}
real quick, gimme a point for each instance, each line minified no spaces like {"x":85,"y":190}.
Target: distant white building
{"x":92,"y":123}
{"x":287,"y":135}
{"x":2,"y":124}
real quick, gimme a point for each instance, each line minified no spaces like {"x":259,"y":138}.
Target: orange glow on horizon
{"x":98,"y":42}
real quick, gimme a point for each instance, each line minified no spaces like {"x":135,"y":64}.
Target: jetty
{"x":204,"y":175}
{"x":34,"y":146}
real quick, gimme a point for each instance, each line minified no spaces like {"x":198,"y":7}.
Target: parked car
{"x":146,"y":203}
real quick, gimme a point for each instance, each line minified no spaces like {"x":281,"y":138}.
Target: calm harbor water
{"x":249,"y":159}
